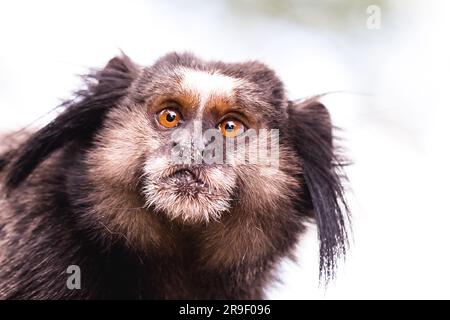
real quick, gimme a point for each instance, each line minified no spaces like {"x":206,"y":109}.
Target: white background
{"x":393,"y":108}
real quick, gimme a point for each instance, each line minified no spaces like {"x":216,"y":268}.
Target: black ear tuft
{"x":311,"y":128}
{"x":80,"y":120}
{"x":2,"y":163}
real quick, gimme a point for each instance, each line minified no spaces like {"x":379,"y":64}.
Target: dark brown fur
{"x":72,"y":194}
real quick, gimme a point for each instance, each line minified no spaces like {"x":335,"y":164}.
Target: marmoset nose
{"x":189,"y":143}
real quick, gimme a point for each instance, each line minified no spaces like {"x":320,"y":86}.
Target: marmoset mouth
{"x":187,"y":180}
{"x":184,"y":175}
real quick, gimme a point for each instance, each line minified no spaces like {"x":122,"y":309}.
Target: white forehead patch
{"x":207,"y":84}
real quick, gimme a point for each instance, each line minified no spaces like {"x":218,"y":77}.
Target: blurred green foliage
{"x":339,"y":15}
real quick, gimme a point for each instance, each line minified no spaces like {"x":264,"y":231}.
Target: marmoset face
{"x":193,"y":139}
{"x":184,"y":151}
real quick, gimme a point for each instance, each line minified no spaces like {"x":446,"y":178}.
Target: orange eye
{"x":231,"y":128}
{"x":169,"y":118}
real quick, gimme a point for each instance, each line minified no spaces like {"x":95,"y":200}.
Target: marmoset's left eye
{"x":231,"y":128}
{"x":169,"y":118}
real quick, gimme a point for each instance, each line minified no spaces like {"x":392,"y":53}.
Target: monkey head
{"x":197,"y":143}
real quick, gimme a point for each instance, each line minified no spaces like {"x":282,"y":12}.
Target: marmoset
{"x":125,"y":185}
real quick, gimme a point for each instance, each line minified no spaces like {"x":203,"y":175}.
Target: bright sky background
{"x":393,"y":109}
